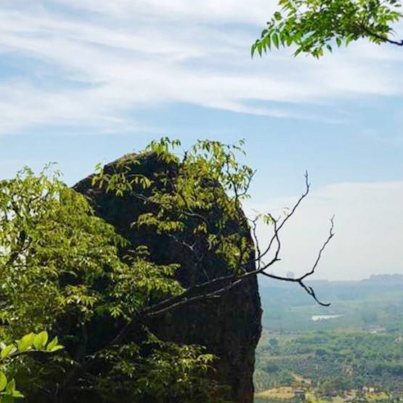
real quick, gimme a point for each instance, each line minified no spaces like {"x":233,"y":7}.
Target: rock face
{"x":229,"y":326}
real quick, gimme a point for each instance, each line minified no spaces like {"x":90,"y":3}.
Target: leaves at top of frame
{"x":314,"y":26}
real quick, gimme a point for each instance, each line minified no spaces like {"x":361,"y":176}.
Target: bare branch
{"x":255,"y":238}
{"x":204,"y":297}
{"x":300,"y":280}
{"x":292,"y":212}
{"x":311,"y":292}
{"x":330,"y":236}
{"x":308,"y":289}
{"x":218,"y":285}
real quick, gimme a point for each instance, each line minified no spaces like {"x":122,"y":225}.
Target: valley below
{"x":351,"y":351}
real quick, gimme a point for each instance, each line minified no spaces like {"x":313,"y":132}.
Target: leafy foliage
{"x":161,"y":372}
{"x":336,"y":354}
{"x":54,"y":249}
{"x":334,"y":361}
{"x":314,"y":26}
{"x":208,"y":178}
{"x":29,"y":343}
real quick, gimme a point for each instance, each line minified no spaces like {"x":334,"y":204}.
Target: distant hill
{"x":360,"y":304}
{"x":385,"y":279}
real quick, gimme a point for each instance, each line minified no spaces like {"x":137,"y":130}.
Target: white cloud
{"x":368,"y":226}
{"x":232,"y":11}
{"x":110,"y":58}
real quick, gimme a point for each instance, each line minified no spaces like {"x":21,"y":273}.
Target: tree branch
{"x":292,"y":212}
{"x":300,"y":280}
{"x":380,"y":37}
{"x":218,"y":285}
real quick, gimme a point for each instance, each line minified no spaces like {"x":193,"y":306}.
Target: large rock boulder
{"x":229,"y":326}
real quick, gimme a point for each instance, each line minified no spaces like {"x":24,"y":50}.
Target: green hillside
{"x":344,"y":351}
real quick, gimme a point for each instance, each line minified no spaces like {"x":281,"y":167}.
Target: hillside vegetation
{"x":352,"y":351}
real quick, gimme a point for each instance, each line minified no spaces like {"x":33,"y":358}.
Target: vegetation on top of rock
{"x":68,"y":271}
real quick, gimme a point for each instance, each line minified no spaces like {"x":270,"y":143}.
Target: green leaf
{"x":277,"y":16}
{"x":26,"y":342}
{"x":252,"y":50}
{"x":40,"y":340}
{"x":7,"y":351}
{"x":259,"y":48}
{"x":56,"y":348}
{"x":17,"y":394}
{"x":275,"y":40}
{"x":3,"y":381}
{"x":52,"y":344}
{"x":268,"y":41}
{"x":10,"y":389}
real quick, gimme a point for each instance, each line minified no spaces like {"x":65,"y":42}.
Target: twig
{"x":300,"y":280}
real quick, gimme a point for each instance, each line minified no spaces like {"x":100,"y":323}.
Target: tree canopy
{"x":316,"y":26}
{"x":60,"y":269}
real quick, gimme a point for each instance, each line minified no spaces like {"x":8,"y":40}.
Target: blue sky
{"x":85,"y":81}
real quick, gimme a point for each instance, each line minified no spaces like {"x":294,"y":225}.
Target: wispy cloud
{"x":94,"y":63}
{"x":232,"y":11}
